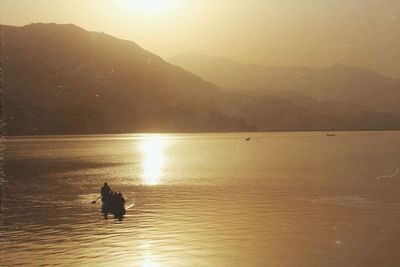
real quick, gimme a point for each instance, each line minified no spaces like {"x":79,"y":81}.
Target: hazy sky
{"x":363,"y":33}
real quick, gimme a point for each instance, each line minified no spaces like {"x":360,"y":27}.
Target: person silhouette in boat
{"x":105,"y":190}
{"x":113,"y":203}
{"x":119,"y":206}
{"x":106,"y":199}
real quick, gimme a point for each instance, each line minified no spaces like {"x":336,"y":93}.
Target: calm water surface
{"x":281,"y":199}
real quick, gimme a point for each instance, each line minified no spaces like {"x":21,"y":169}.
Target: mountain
{"x":339,"y":83}
{"x":269,"y":113}
{"x":61,"y":79}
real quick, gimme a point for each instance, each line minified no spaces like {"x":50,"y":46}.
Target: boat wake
{"x":130,"y":206}
{"x":388,"y":176}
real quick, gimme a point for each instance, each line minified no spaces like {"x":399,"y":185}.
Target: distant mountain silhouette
{"x":339,"y":83}
{"x":61,"y":79}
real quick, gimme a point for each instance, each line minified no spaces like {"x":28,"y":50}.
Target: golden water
{"x":281,"y":199}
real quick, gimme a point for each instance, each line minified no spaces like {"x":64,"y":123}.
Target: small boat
{"x":117,"y":211}
{"x":114,"y":205}
{"x":331,"y":134}
{"x":248,"y":139}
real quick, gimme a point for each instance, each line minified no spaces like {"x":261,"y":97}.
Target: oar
{"x":94,"y":201}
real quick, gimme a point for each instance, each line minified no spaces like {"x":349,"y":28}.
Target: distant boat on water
{"x":248,"y":139}
{"x":331,"y":134}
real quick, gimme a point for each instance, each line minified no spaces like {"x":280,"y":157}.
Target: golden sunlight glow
{"x":148,"y":259}
{"x":153,"y":159}
{"x":150,"y":5}
{"x":146,"y":7}
{"x":149,"y":263}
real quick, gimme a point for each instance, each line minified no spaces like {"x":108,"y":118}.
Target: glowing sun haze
{"x":147,"y":7}
{"x":363,"y":33}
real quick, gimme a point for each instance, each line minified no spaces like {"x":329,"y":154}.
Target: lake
{"x":280,"y":199}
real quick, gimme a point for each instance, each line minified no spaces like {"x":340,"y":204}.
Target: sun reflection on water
{"x":148,"y":259}
{"x":149,"y":263}
{"x":153,"y":159}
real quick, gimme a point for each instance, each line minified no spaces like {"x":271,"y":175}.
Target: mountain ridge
{"x":337,"y":83}
{"x":62,"y":79}
{"x":61,"y":76}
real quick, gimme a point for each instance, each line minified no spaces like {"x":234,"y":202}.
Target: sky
{"x":318,"y":33}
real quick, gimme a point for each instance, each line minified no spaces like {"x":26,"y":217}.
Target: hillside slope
{"x":61,"y":79}
{"x":338,"y":83}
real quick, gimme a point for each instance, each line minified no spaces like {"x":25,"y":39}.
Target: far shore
{"x":193,"y":133}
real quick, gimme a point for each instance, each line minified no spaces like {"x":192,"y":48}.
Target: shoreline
{"x":149,"y":134}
